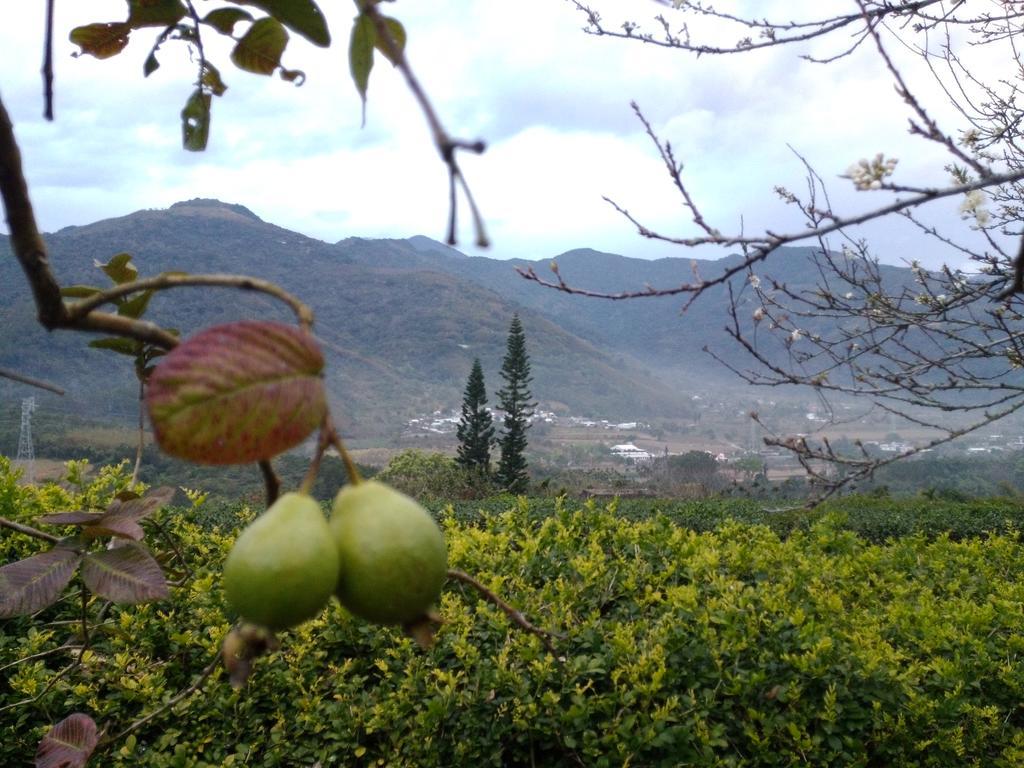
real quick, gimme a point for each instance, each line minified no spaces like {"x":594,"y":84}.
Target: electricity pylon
{"x":26,"y":453}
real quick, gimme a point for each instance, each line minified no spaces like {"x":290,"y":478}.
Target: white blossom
{"x":973,"y":206}
{"x":868,"y":174}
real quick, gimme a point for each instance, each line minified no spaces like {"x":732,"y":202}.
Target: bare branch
{"x":761,"y":247}
{"x":7,"y":373}
{"x":514,"y":615}
{"x":28,"y":530}
{"x":79,"y":309}
{"x":446,"y":145}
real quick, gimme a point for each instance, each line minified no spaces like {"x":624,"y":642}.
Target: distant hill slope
{"x":400,"y":321}
{"x":654,"y":330}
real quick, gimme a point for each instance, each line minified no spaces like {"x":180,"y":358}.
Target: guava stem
{"x":329,"y":437}
{"x":350,"y":466}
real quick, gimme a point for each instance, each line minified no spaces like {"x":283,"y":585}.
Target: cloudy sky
{"x":551,"y":102}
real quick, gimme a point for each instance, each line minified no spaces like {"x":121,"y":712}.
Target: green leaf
{"x":360,"y":54}
{"x":121,"y":346}
{"x":211,"y":80}
{"x":397,"y":32}
{"x":79,"y":291}
{"x":135,"y":307}
{"x":69,"y":743}
{"x":151,"y":65}
{"x":29,"y":585}
{"x":155,"y":13}
{"x":101,"y":40}
{"x":127,"y":574}
{"x":237,"y":393}
{"x":195,"y":121}
{"x":302,"y":16}
{"x":260,"y":49}
{"x":225,"y":19}
{"x":119,"y":269}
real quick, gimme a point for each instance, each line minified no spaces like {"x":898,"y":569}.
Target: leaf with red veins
{"x":238,"y":393}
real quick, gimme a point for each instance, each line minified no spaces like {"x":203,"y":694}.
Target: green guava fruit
{"x":392,"y":554}
{"x":284,"y":566}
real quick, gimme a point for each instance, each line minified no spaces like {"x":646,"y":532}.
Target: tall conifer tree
{"x":476,"y":428}
{"x":514,"y":400}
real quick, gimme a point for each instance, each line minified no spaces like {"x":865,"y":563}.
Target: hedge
{"x":724,"y":647}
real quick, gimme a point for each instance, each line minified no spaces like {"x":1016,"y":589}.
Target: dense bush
{"x":874,"y":518}
{"x":731,"y":647}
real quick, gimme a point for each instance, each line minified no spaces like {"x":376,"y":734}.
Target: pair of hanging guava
{"x":381,"y":554}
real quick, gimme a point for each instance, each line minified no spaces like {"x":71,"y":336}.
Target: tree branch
{"x":80,"y":309}
{"x":7,"y":373}
{"x":514,"y":615}
{"x":446,"y":145}
{"x":28,"y":530}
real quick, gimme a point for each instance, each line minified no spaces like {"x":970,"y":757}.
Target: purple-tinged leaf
{"x":139,"y":508}
{"x":70,"y":518}
{"x":29,"y":585}
{"x":237,"y":393}
{"x":117,"y":525}
{"x":69,"y":743}
{"x":127,"y":574}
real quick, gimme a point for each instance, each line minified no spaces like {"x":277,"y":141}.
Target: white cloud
{"x":552,"y":102}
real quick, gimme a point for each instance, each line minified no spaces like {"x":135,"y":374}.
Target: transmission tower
{"x":26,"y":453}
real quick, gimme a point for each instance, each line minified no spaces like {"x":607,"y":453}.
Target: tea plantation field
{"x":870,"y":633}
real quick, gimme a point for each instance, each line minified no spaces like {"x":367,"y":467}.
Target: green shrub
{"x":725,"y":647}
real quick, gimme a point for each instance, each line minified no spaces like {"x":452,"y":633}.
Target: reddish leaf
{"x":70,"y":518}
{"x":137,"y":509}
{"x":114,"y":525}
{"x":101,"y":40}
{"x":237,"y":393}
{"x":69,"y":743}
{"x":128,"y":574}
{"x":30,"y":585}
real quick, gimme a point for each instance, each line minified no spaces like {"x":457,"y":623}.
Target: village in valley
{"x":719,"y":427}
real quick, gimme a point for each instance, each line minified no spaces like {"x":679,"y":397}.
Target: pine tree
{"x":476,"y":428}
{"x":514,"y":400}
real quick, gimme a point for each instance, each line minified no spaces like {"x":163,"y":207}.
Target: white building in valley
{"x":631,"y":453}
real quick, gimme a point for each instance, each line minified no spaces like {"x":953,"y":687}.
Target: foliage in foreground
{"x":728,"y":647}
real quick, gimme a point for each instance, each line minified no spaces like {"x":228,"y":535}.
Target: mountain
{"x":400,"y":320}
